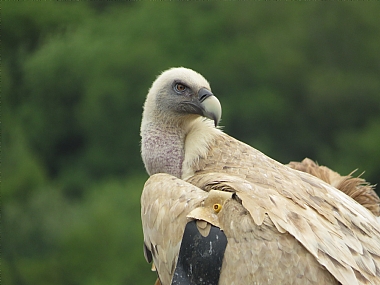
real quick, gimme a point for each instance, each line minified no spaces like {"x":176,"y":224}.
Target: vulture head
{"x":178,"y":93}
{"x":177,"y":100}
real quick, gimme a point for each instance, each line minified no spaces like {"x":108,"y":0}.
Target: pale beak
{"x":210,"y":105}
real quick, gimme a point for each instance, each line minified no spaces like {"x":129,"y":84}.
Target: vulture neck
{"x":162,"y":149}
{"x":175,"y":148}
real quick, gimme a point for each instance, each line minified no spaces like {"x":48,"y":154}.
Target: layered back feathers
{"x":355,"y":187}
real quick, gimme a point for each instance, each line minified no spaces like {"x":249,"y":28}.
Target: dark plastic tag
{"x":200,"y":258}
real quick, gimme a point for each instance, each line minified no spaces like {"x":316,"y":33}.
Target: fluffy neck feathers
{"x":200,"y":138}
{"x":174,"y":148}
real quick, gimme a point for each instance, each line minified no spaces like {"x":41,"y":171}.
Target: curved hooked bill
{"x":210,"y":105}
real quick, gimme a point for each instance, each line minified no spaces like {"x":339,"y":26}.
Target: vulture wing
{"x":165,"y":203}
{"x":288,"y":232}
{"x":258,"y":251}
{"x":342,"y":235}
{"x":355,"y":187}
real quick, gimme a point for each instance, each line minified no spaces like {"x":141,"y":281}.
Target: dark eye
{"x":180,"y":87}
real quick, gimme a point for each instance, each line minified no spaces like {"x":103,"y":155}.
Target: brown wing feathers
{"x":355,"y":187}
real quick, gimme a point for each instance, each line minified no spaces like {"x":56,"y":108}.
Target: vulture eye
{"x":179,"y":88}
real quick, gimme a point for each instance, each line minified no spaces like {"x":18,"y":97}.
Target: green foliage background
{"x":296,"y":79}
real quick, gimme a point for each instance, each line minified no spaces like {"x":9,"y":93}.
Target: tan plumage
{"x":283,"y":226}
{"x":355,"y":187}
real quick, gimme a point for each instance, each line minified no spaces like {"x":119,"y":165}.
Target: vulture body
{"x":282,"y":226}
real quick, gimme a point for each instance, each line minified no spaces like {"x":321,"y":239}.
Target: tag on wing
{"x":210,"y":207}
{"x":200,"y":257}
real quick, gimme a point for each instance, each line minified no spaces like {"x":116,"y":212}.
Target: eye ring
{"x":180,"y":88}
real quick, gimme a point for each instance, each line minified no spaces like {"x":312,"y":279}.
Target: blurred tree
{"x":294,"y":79}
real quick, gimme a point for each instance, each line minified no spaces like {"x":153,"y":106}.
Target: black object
{"x":200,"y":258}
{"x":147,"y":254}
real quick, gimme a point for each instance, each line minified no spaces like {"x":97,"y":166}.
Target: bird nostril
{"x":203,"y":94}
{"x":203,"y":97}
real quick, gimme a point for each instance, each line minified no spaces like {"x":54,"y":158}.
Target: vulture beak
{"x":210,"y":105}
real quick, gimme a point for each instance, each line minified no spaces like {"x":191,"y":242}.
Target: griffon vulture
{"x":217,"y":211}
